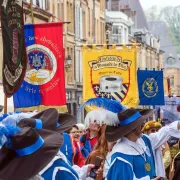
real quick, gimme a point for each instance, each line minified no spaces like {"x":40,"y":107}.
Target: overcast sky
{"x":148,"y":3}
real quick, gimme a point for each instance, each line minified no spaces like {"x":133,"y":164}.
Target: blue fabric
{"x":3,"y":116}
{"x":67,"y":148}
{"x":61,"y":174}
{"x":84,"y":152}
{"x":131,"y":119}
{"x":28,"y":95}
{"x":151,"y":89}
{"x":120,"y":171}
{"x":39,"y":124}
{"x":124,"y":170}
{"x":86,"y":148}
{"x":31,"y":149}
{"x":58,"y":124}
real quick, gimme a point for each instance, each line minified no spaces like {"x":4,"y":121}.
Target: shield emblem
{"x":110,"y":82}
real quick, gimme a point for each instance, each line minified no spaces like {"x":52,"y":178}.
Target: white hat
{"x":81,"y":126}
{"x":101,"y":116}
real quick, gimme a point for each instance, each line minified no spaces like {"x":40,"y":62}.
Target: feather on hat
{"x":101,"y":117}
{"x":110,"y":105}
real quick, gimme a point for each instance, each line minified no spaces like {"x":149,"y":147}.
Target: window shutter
{"x":81,"y":24}
{"x":76,"y":22}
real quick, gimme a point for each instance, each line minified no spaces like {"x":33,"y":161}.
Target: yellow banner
{"x":110,"y":73}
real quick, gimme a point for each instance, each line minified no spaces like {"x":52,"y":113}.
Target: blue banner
{"x":151,"y":89}
{"x":44,"y":82}
{"x":28,"y":95}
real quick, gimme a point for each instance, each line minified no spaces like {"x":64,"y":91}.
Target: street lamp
{"x":68,"y":62}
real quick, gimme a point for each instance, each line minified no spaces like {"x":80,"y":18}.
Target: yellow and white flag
{"x":110,"y":73}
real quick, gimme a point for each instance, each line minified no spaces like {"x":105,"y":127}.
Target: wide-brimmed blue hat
{"x":27,"y":151}
{"x":128,"y":120}
{"x":50,"y":119}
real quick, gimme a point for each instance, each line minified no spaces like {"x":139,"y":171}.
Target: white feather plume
{"x":102,"y":117}
{"x":16,"y":117}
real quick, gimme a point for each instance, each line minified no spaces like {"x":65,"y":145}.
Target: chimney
{"x":115,"y":5}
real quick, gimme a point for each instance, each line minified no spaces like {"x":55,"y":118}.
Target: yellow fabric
{"x":103,"y":62}
{"x":151,"y":124}
{"x":61,"y":109}
{"x":167,"y":159}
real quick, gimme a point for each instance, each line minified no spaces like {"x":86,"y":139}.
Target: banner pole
{"x":31,"y":8}
{"x":5,"y":104}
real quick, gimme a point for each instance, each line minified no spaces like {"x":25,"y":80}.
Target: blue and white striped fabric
{"x":58,"y":169}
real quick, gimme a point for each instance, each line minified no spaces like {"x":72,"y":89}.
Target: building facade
{"x":131,"y":27}
{"x":173,"y":75}
{"x":84,"y":23}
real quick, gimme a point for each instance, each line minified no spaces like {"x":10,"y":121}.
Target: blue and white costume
{"x":128,"y":158}
{"x":59,"y":168}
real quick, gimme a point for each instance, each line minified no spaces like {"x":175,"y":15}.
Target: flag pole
{"x":31,"y":8}
{"x":5,"y":104}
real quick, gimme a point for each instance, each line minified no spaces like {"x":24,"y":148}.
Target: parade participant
{"x":74,"y":132}
{"x":64,"y":123}
{"x":82,"y":129}
{"x":174,"y":145}
{"x":103,"y":147}
{"x":26,"y":151}
{"x":136,"y":156}
{"x":175,"y":169}
{"x":94,"y":120}
{"x":152,"y":127}
{"x":92,"y":123}
{"x":78,"y":157}
{"x":59,"y":167}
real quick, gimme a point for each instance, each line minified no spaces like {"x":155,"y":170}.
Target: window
{"x":117,"y":33}
{"x":101,"y":33}
{"x":58,"y":9}
{"x":62,"y":12}
{"x":89,"y":22}
{"x":68,"y":52}
{"x":92,"y":24}
{"x":72,"y":17}
{"x":72,"y":53}
{"x":97,"y":31}
{"x":84,"y":24}
{"x":126,"y":35}
{"x":78,"y":22}
{"x":172,"y":82}
{"x":47,"y":4}
{"x":44,"y":4}
{"x":115,"y":30}
{"x":102,"y":5}
{"x":77,"y":65}
{"x":37,"y":3}
{"x":68,"y":17}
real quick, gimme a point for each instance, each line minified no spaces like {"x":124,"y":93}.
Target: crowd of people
{"x":127,"y":145}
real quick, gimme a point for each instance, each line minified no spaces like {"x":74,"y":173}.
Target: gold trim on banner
{"x":61,"y":109}
{"x":104,"y":60}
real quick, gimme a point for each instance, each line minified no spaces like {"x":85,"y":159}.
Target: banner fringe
{"x":61,"y":109}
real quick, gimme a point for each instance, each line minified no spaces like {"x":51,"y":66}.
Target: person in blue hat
{"x":137,"y":156}
{"x":59,"y":167}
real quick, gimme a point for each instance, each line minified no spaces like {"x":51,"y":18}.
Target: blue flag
{"x":151,"y":89}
